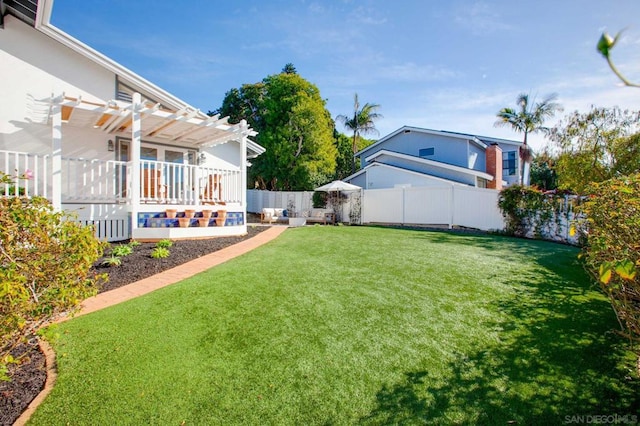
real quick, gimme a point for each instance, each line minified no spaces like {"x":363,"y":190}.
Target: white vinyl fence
{"x":449,"y":206}
{"x":292,"y":200}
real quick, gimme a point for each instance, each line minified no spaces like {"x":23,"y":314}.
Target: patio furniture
{"x":213,"y":190}
{"x":272,"y":215}
{"x":323,"y":216}
{"x":152,"y":188}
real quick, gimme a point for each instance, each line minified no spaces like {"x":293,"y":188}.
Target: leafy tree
{"x":596,"y":146}
{"x":543,"y":171}
{"x":528,"y":118}
{"x":361,"y":123}
{"x":292,"y":124}
{"x":289,"y":69}
{"x":345,"y":153}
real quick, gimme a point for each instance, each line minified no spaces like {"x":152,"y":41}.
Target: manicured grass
{"x":347,"y":325}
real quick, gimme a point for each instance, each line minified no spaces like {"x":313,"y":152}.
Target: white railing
{"x":90,"y":181}
{"x":102,"y":181}
{"x":17,"y":164}
{"x":175,"y":183}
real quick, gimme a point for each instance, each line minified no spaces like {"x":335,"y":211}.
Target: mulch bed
{"x":28,"y":377}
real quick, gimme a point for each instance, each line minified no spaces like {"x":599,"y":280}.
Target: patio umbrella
{"x":338,"y":186}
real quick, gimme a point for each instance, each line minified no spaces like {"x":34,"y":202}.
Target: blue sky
{"x":444,"y":65}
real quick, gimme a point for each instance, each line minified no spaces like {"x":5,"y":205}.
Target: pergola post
{"x":136,"y":134}
{"x":56,"y":157}
{"x":243,"y":170}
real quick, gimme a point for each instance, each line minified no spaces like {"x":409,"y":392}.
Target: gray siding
{"x":448,"y":150}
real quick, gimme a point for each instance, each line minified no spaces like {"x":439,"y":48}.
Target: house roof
{"x":42,"y":23}
{"x":402,"y":169}
{"x":430,"y":163}
{"x":481,"y":141}
{"x":171,"y":119}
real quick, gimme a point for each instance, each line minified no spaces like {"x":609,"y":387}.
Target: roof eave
{"x":43,"y":24}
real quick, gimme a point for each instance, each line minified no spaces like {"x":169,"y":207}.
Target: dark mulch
{"x":27,"y":380}
{"x":140,"y":264}
{"x":28,"y":377}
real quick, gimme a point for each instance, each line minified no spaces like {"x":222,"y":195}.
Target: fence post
{"x":451,"y":206}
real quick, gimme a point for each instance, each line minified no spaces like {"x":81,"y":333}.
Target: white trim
{"x":43,"y":17}
{"x":412,"y":172}
{"x":136,"y":140}
{"x":432,"y":163}
{"x":56,"y":157}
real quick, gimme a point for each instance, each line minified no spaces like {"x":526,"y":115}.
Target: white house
{"x":104,"y":142}
{"x":413,"y":156}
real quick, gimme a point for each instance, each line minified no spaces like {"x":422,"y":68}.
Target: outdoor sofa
{"x":276,"y":215}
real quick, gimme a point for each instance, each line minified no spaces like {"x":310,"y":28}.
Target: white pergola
{"x":142,"y":119}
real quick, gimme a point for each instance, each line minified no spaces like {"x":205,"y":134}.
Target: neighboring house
{"x":106,"y":143}
{"x":412,"y":156}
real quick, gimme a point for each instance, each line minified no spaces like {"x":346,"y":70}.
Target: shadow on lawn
{"x":557,"y":356}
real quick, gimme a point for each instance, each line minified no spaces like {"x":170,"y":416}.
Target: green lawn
{"x":349,"y":325}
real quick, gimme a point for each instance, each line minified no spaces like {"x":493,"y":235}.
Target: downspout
{"x":135,"y":159}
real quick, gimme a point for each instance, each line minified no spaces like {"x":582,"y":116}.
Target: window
{"x":125,"y":93}
{"x":509,"y":163}
{"x":426,"y":152}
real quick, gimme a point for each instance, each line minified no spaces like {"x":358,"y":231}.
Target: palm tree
{"x":361,"y":123}
{"x":528,"y":118}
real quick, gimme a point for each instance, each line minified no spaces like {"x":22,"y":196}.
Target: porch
{"x":120,"y":165}
{"x":100,"y":193}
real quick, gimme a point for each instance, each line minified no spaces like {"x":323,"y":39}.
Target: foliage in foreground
{"x":612,"y":253}
{"x":45,"y":263}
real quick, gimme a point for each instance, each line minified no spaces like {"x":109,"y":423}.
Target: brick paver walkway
{"x":179,"y":273}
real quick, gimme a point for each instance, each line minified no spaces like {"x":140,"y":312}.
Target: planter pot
{"x":189,"y":213}
{"x":171,"y":213}
{"x":184,"y":222}
{"x":203,"y":222}
{"x":207,"y":213}
{"x":221,"y":217}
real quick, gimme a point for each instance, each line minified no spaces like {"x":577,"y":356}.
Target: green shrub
{"x":134,"y":243}
{"x":166,"y":243}
{"x":319,"y":200}
{"x":112,"y":261}
{"x":46,"y":261}
{"x":122,"y":250}
{"x":160,"y":253}
{"x":612,"y":250}
{"x":530,"y":212}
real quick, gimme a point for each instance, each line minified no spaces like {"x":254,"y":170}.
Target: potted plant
{"x":207,"y":213}
{"x":171,"y":213}
{"x":221,"y":218}
{"x":203,"y":221}
{"x":184,"y":222}
{"x":189,"y":213}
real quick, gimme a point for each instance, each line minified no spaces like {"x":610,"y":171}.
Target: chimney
{"x":494,"y":166}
